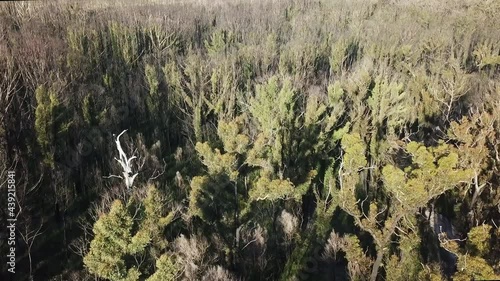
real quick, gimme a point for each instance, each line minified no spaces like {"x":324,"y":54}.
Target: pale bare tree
{"x":125,"y":162}
{"x":193,"y":255}
{"x":289,"y":223}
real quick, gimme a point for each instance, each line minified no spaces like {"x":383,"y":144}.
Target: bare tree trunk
{"x":65,"y":240}
{"x":376,"y":265}
{"x":477,"y":190}
{"x":31,"y":263}
{"x":29,"y":237}
{"x":382,"y":246}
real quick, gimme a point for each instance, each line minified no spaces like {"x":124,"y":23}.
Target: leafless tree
{"x":125,"y":162}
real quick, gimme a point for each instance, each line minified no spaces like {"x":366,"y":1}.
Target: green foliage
{"x":343,"y":54}
{"x":388,"y":105}
{"x":197,"y":186}
{"x":314,"y":111}
{"x":217,"y":162}
{"x":46,"y":104}
{"x":173,"y":78}
{"x":474,"y":267}
{"x":273,"y":106}
{"x":296,"y":261}
{"x":166,"y":269}
{"x":222,"y":98}
{"x":407,"y":264}
{"x":155,"y":220}
{"x":487,"y":54}
{"x":359,"y":263}
{"x":233,"y":140}
{"x":267,"y":189}
{"x":87,"y":107}
{"x":337,"y":106}
{"x":354,"y":150}
{"x":125,"y":42}
{"x":114,"y":240}
{"x":476,"y":138}
{"x":434,"y":171}
{"x":49,"y":123}
{"x":153,"y":99}
{"x":159,"y":38}
{"x":194,"y":97}
{"x":478,"y":239}
{"x":353,"y":160}
{"x":471,"y":264}
{"x":380,"y":109}
{"x":78,"y":44}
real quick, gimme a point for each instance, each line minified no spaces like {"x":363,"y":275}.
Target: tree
{"x":114,"y":242}
{"x":450,"y":82}
{"x":433,"y":171}
{"x":166,"y":269}
{"x":475,"y":139}
{"x":272,"y":110}
{"x":48,"y":122}
{"x":125,"y":163}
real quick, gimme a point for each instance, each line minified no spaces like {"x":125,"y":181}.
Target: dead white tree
{"x":29,"y":234}
{"x":128,"y":177}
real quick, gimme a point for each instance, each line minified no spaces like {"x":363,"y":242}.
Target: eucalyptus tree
{"x":408,"y":187}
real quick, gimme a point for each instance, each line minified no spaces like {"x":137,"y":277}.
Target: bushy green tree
{"x":471,"y":260}
{"x":256,"y":97}
{"x":433,"y":171}
{"x":153,"y":99}
{"x":113,"y":241}
{"x":273,"y":111}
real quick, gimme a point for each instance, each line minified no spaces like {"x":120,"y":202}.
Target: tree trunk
{"x":236,"y":228}
{"x":376,"y":265}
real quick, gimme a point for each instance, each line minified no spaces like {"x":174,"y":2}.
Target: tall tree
{"x":432,"y":172}
{"x":125,"y":232}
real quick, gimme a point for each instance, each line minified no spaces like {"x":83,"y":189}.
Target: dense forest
{"x":250,"y":140}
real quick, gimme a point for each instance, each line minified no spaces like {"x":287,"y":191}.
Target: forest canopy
{"x":252,"y":140}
